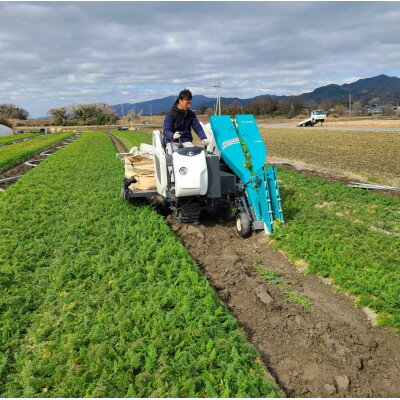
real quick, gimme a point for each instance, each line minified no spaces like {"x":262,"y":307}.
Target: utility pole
{"x":151,"y":115}
{"x":133,"y":115}
{"x":122,"y":109}
{"x":218,"y":105}
{"x":349,"y":104}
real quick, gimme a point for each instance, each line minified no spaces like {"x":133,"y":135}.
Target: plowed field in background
{"x":372,"y":155}
{"x":379,"y":123}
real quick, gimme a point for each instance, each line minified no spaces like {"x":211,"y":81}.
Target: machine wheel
{"x":188,"y":213}
{"x":243,"y":225}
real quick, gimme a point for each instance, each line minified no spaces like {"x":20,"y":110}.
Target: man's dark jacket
{"x":182,"y":121}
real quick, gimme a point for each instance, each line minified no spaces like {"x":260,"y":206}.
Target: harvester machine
{"x":229,"y":176}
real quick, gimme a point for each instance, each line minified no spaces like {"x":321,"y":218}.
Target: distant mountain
{"x":378,"y":89}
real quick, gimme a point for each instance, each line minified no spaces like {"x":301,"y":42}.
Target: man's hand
{"x":206,"y":142}
{"x":176,"y":136}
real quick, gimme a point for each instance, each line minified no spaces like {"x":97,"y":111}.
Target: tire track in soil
{"x":328,"y":350}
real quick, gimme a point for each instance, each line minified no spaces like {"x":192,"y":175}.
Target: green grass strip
{"x":15,"y":153}
{"x":348,"y":234}
{"x":12,"y":138}
{"x":99,"y":297}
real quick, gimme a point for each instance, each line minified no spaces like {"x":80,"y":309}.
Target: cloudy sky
{"x":56,"y":54}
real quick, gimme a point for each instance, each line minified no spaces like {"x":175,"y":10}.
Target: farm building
{"x":5,"y":130}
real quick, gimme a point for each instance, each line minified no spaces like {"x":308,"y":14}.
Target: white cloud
{"x":135,"y":51}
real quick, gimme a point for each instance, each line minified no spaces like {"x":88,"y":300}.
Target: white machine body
{"x":190,"y":172}
{"x":160,"y":165}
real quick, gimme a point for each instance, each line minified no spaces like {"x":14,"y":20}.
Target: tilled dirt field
{"x":330,"y":349}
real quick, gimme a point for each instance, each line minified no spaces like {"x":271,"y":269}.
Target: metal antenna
{"x":218,"y":105}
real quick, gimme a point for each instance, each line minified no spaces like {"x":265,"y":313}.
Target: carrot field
{"x":99,"y":299}
{"x":12,"y":138}
{"x":15,"y":153}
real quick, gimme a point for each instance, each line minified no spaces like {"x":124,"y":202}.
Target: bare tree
{"x":387,"y":110}
{"x":339,"y":109}
{"x":357,"y":107}
{"x":326,"y":105}
{"x":12,"y":111}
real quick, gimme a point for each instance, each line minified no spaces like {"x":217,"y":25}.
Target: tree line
{"x":76,"y":114}
{"x":84,"y":114}
{"x":289,"y":107}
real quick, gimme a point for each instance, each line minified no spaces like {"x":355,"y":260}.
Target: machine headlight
{"x":183,"y":170}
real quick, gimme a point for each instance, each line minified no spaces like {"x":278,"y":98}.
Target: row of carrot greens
{"x":13,"y":154}
{"x":132,"y":138}
{"x":13,"y":138}
{"x":100,"y":299}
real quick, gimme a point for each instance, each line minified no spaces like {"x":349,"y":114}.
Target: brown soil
{"x":22,"y":169}
{"x":330,"y":349}
{"x":117,"y":143}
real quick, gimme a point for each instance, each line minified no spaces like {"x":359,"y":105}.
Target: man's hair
{"x":184,"y":94}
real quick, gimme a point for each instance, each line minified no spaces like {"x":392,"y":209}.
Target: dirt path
{"x":329,"y":349}
{"x":117,"y":143}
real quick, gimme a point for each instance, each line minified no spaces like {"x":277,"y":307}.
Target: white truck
{"x":316,"y":116}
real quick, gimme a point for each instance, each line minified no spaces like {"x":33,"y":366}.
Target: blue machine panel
{"x":248,"y":132}
{"x":228,"y":143}
{"x":261,"y":188}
